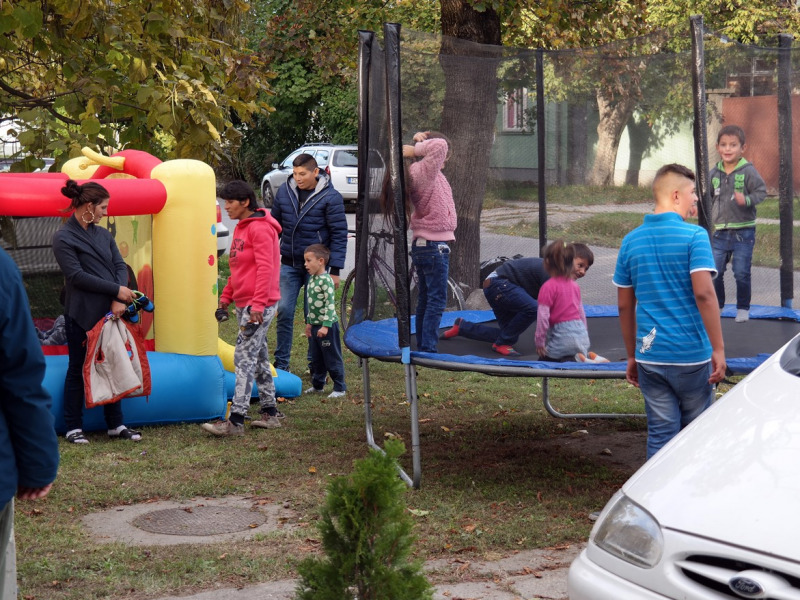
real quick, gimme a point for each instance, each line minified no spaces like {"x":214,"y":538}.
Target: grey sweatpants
{"x":251,"y":363}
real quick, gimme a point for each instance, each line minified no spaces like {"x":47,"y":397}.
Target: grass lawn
{"x":496,"y":479}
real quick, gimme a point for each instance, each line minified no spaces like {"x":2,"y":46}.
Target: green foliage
{"x":367,"y":537}
{"x":162,"y":76}
{"x":313,"y":49}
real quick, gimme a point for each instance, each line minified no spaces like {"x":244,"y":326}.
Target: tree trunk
{"x":614,"y":115}
{"x":577,"y":133}
{"x":640,"y":133}
{"x":470,"y":108}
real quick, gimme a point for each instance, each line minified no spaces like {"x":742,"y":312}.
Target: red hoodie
{"x":255,"y":261}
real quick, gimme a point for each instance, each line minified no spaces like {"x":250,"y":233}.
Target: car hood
{"x":733,"y":475}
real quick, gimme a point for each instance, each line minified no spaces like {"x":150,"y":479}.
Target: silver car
{"x":339,"y":162}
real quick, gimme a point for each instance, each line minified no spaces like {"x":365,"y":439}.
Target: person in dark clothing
{"x":28,"y":443}
{"x":309,"y":211}
{"x":96,"y":284}
{"x":512,"y":291}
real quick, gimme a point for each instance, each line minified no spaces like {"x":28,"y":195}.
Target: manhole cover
{"x":199,"y":520}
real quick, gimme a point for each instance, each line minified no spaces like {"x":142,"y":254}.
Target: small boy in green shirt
{"x":322,"y":324}
{"x":737,"y":189}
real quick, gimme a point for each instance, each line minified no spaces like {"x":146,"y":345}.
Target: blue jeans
{"x":674,"y":395}
{"x":513,"y":308}
{"x":292,"y":280}
{"x":432,"y":262}
{"x":74,"y":398}
{"x":737,"y":244}
{"x":326,"y":357}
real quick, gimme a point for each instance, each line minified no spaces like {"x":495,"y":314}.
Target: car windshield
{"x":345,"y":158}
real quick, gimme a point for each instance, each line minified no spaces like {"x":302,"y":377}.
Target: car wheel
{"x":266,"y":195}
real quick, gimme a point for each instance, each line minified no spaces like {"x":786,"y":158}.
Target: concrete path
{"x":527,"y":575}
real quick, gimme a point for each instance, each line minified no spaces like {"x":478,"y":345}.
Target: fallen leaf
{"x":419,"y":513}
{"x":445,"y":429}
{"x":425,"y":420}
{"x":223,"y":556}
{"x":312,"y":469}
{"x":469,"y":528}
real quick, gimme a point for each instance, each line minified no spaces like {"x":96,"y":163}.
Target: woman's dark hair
{"x":558,"y":257}
{"x":88,"y":193}
{"x":239,"y":190}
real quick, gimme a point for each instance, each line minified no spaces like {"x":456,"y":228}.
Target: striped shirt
{"x":657,"y":259}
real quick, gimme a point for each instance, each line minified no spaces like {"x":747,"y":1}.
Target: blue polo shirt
{"x":657,"y":259}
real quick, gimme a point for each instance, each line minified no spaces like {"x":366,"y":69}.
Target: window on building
{"x":514,"y":110}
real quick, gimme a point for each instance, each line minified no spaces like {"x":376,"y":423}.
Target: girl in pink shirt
{"x":561,"y":332}
{"x":433,"y":222}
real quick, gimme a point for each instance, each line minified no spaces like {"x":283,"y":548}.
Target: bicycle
{"x":382,"y":303}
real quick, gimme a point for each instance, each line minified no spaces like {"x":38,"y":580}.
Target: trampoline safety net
{"x":564,"y":145}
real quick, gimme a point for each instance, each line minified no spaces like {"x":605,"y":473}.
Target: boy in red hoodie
{"x":254,"y":287}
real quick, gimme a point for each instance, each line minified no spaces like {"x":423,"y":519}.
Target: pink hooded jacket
{"x":434,"y":216}
{"x":255,"y":261}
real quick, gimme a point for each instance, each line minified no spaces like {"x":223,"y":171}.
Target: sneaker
{"x":505,"y":350}
{"x":596,"y":358}
{"x":453,"y":331}
{"x":267,"y":422}
{"x":223,"y":428}
{"x":742,"y":315}
{"x":313,"y":390}
{"x":123,"y":433}
{"x":335,"y":394}
{"x":76,"y":437}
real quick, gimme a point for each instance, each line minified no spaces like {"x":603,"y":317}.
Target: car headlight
{"x":631,"y":533}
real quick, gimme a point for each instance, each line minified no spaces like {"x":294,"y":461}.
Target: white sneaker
{"x":335,"y":394}
{"x":313,"y":390}
{"x":742,"y":315}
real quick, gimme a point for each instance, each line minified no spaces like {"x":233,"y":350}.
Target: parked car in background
{"x":712,"y":515}
{"x":339,"y":162}
{"x":223,"y":233}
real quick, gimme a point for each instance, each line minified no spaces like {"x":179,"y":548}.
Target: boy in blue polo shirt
{"x":668,"y":309}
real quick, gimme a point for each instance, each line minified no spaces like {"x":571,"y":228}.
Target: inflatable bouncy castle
{"x":163,"y":218}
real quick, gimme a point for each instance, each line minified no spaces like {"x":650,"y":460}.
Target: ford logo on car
{"x":746,"y":587}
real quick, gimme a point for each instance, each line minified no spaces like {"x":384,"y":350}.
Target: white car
{"x":223,"y":233}
{"x":339,"y":162}
{"x":714,"y":514}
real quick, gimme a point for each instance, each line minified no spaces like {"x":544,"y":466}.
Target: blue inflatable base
{"x":287,"y":385}
{"x":185,"y":389}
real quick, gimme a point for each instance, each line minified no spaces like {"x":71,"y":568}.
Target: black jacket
{"x":93,"y":269}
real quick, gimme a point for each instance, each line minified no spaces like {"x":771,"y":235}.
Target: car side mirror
{"x":274,"y":165}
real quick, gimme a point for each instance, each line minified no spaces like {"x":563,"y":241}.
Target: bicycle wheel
{"x":346,"y":314}
{"x":455,"y":297}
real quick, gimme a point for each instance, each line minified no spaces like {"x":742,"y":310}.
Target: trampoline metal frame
{"x":414,"y":480}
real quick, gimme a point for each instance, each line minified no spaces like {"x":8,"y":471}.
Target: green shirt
{"x":320,"y":295}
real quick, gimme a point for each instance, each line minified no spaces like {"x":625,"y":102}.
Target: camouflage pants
{"x":251,"y":362}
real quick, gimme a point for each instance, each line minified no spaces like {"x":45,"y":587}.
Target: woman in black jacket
{"x":96,"y":284}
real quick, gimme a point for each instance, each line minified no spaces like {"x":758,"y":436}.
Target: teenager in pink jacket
{"x":433,"y":223}
{"x":254,"y":287}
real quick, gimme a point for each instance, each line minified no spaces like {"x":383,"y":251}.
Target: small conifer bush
{"x":366,"y":537}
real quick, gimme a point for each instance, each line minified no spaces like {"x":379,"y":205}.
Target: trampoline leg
{"x":551,"y":409}
{"x":367,"y":403}
{"x":368,"y":420}
{"x":413,"y":398}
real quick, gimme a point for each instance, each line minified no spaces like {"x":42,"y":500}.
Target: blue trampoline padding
{"x":287,"y":385}
{"x":184,"y":389}
{"x":378,"y":339}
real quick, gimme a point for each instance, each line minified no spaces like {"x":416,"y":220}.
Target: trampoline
{"x":503,"y":210}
